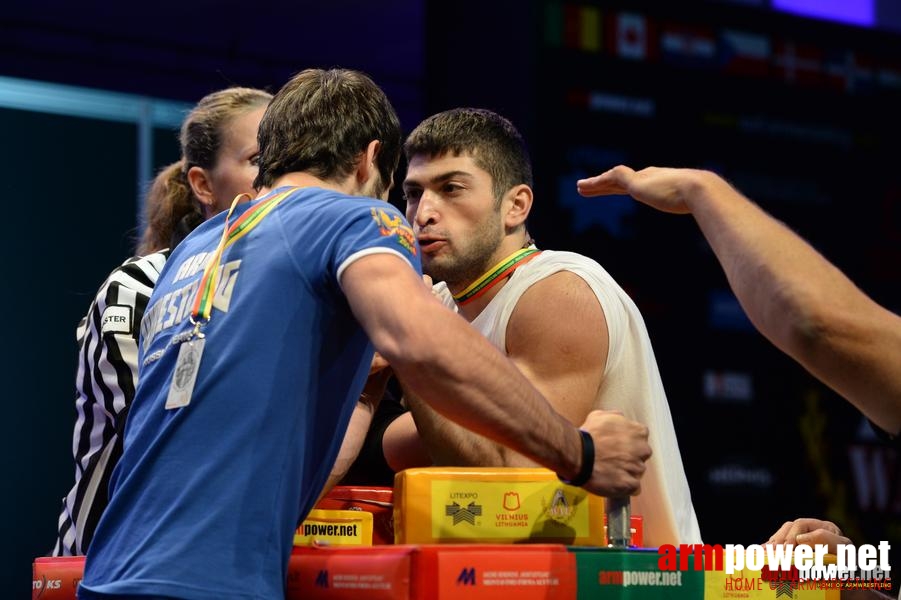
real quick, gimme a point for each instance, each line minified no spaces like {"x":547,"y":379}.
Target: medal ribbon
{"x":203,"y":303}
{"x":496,"y":274}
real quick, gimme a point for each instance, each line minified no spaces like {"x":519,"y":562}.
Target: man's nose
{"x":426,"y":211}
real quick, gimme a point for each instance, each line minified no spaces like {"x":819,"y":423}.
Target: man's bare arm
{"x":360,"y":421}
{"x":445,"y":362}
{"x":562,"y":352}
{"x":800,"y":301}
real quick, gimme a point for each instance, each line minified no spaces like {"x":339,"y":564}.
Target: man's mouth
{"x":430,"y":245}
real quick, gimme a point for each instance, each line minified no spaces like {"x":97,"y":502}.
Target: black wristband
{"x":587,"y":462}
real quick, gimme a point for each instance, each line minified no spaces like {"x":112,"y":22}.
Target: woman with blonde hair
{"x":219,"y":151}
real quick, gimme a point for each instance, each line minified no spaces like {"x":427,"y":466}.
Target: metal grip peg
{"x":619,"y":522}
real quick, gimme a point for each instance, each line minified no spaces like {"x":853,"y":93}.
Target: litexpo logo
{"x":784,"y":562}
{"x":461,"y":513}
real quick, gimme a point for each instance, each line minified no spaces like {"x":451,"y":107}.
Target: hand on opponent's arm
{"x":468,"y":381}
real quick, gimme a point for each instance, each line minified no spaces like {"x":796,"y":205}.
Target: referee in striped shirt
{"x":219,"y":152}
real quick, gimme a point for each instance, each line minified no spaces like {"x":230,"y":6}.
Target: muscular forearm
{"x":449,"y":444}
{"x":402,"y":445}
{"x":801,"y":302}
{"x":762,"y":259}
{"x":481,"y":395}
{"x":479,"y":388}
{"x":358,"y":427}
{"x":351,"y":444}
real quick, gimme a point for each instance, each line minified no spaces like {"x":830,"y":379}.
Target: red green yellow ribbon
{"x":203,"y":303}
{"x":495,"y":275}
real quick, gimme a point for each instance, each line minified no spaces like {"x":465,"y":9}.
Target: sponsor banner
{"x":687,"y":572}
{"x":335,"y":528}
{"x":56,"y":578}
{"x":477,"y":571}
{"x":634,"y":574}
{"x":748,"y":583}
{"x":498,"y":510}
{"x":493,"y":505}
{"x":376,"y":500}
{"x":448,"y":572}
{"x":775,"y":570}
{"x":376,"y":573}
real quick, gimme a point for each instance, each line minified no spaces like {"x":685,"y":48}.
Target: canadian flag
{"x":631,"y":36}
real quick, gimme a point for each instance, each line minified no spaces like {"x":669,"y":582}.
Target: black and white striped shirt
{"x":107,"y":374}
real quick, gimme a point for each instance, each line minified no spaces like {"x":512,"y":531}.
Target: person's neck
{"x":473,"y":307}
{"x":304,"y":179}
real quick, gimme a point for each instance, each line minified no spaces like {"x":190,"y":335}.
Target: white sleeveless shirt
{"x":631,"y":384}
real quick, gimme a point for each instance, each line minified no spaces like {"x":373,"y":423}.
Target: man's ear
{"x":200,"y":185}
{"x":366,"y":166}
{"x":518,"y":205}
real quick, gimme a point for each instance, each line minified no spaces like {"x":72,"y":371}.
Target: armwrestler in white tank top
{"x":631,"y":385}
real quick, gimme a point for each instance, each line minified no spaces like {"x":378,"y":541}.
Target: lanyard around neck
{"x":203,"y":302}
{"x":495,"y":275}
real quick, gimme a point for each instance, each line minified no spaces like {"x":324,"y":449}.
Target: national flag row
{"x":636,"y":37}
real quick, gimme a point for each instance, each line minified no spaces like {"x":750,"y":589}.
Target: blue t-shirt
{"x":205,"y":499}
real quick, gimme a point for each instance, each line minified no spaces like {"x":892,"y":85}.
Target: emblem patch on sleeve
{"x":116,"y":319}
{"x":394,"y":226}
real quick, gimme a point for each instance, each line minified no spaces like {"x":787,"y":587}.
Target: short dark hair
{"x":493,"y":142}
{"x":320,"y":122}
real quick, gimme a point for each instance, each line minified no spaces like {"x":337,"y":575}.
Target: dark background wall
{"x":771,"y":100}
{"x":801,"y":115}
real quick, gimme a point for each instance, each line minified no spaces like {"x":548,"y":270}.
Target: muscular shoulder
{"x":560,"y":311}
{"x":556,"y":291}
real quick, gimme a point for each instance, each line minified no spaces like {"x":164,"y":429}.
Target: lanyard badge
{"x":190,"y":349}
